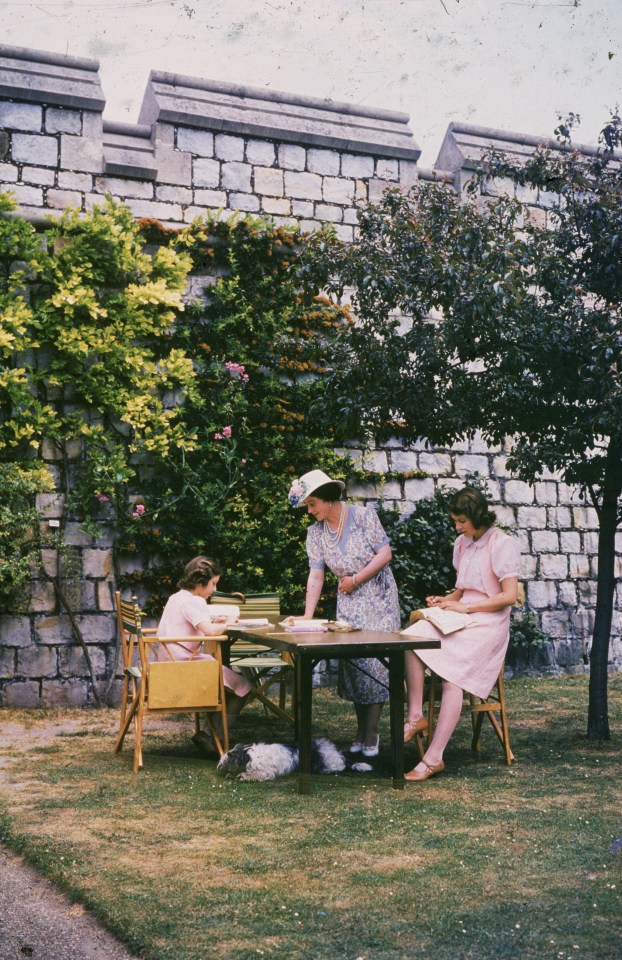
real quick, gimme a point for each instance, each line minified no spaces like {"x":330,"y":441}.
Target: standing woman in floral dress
{"x":351,"y":542}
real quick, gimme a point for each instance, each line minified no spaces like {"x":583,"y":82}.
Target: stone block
{"x":7,"y":662}
{"x":528,"y":566}
{"x":8,"y":173}
{"x":306,"y":186}
{"x":578,"y":565}
{"x":64,"y":199}
{"x":97,"y":564}
{"x":471,"y":463}
{"x":438,"y":464}
{"x":387,"y":170}
{"x":570,"y":541}
{"x":546,"y":493}
{"x":244,"y":201}
{"x":584,"y":518}
{"x":121,"y":187}
{"x":49,"y":560}
{"x":41,"y":175}
{"x":499,"y":466}
{"x":276,"y":205}
{"x":404,"y":461}
{"x":344,"y":232}
{"x":228,"y":148}
{"x":541,"y":594}
{"x":409,"y":174}
{"x":292,"y":157}
{"x":173,"y":166}
{"x":21,"y":116}
{"x":338,"y":190}
{"x":67,"y":180}
{"x":587,"y":593}
{"x":198,"y":142}
{"x":237,"y":176}
{"x":104,"y":596}
{"x":53,"y":630}
{"x":76,"y":536}
{"x":302,"y":208}
{"x":308,"y":226}
{"x":64,"y":693}
{"x":568,"y":593}
{"x":42,"y":597}
{"x":97,"y":628}
{"x":80,"y":594}
{"x":72,"y":662}
{"x":531,"y":518}
{"x":82,"y":153}
{"x":260,"y":152}
{"x":151,"y":208}
{"x":323,"y":161}
{"x":545,"y":541}
{"x":505,"y":515}
{"x":418,"y":489}
{"x":477,"y":444}
{"x":174,"y":194}
{"x":569,"y":650}
{"x":324,"y":211}
{"x":27,"y":196}
{"x":356,"y":166}
{"x":206,"y":173}
{"x":570,"y":494}
{"x":350,"y":216}
{"x":553,"y":566}
{"x":377,"y":188}
{"x":50,"y":505}
{"x":361,"y":192}
{"x":62,"y":121}
{"x":37,"y":662}
{"x":590,"y":542}
{"x":516,"y":491}
{"x":269,"y":181}
{"x":559,"y":518}
{"x":210,"y":198}
{"x":21,"y":695}
{"x":14,"y":631}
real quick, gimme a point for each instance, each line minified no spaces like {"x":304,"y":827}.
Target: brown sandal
{"x":413,"y":727}
{"x":415,"y":777}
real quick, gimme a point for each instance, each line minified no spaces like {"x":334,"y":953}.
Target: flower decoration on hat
{"x":297,"y":493}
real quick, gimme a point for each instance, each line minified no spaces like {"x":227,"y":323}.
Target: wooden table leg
{"x":396,"y":708}
{"x":304,"y":673}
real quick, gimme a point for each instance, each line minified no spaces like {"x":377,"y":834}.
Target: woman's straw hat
{"x":308,"y":482}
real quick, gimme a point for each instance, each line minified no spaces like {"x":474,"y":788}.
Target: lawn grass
{"x":482,"y":862}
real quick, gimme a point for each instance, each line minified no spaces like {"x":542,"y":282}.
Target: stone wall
{"x":198,"y":146}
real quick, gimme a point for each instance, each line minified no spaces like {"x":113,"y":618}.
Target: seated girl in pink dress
{"x":487,"y":562}
{"x":187,"y":614}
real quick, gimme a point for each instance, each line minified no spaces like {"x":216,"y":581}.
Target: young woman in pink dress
{"x":187,"y":614}
{"x":487,"y":563}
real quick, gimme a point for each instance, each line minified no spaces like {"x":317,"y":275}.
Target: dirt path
{"x":35,"y":919}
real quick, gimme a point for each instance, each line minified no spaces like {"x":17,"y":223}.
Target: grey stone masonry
{"x":199,"y":146}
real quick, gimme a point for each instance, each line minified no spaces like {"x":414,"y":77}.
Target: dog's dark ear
{"x":241,"y":753}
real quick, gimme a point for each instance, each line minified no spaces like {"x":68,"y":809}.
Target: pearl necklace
{"x":332,"y":537}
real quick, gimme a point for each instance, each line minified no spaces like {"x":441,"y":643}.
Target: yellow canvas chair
{"x":167,"y":686}
{"x":262,"y":667}
{"x":479,"y":707}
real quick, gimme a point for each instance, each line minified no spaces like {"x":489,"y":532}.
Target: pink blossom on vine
{"x":139,"y":509}
{"x":102,"y":497}
{"x":237,"y":370}
{"x":227,"y":431}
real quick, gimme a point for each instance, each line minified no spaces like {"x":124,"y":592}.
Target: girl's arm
{"x":507,"y":598}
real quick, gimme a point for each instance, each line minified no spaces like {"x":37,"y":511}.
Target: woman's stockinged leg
{"x":373,"y":713}
{"x":448,"y":716}
{"x":415,"y":672}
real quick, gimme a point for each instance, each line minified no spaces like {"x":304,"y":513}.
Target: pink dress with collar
{"x":472,"y":657}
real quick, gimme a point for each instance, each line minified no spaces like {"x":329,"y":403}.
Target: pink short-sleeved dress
{"x":472,"y":657}
{"x":181,"y":615}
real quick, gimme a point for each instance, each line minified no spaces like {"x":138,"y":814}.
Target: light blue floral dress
{"x":374,"y":605}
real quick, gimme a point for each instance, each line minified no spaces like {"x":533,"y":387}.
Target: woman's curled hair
{"x":473,"y":505}
{"x":200,"y":570}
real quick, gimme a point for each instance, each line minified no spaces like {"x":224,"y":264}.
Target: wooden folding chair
{"x":168,"y":685}
{"x":260,"y":664}
{"x":479,"y":707}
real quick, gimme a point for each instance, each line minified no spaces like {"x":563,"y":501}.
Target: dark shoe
{"x":413,"y":727}
{"x":204,"y":743}
{"x":415,"y":777}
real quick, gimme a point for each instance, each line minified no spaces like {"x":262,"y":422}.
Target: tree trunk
{"x":597,"y":717}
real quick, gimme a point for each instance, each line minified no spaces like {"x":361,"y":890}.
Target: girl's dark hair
{"x":199,"y":571}
{"x":473,"y":505}
{"x":330,"y":492}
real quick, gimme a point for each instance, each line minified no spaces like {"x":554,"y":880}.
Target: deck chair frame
{"x":158,"y":686}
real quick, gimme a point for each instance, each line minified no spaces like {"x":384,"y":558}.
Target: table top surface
{"x":357,"y":640}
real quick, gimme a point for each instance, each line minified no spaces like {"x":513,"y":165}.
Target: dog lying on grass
{"x":266,"y":761}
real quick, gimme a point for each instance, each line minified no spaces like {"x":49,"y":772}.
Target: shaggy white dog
{"x":266,"y":761}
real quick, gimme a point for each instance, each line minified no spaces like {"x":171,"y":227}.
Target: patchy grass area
{"x":482,"y":862}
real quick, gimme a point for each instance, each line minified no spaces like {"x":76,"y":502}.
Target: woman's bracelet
{"x":468,"y":607}
{"x":353,"y":579}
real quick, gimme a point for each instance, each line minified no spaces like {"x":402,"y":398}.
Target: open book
{"x":293,"y":625}
{"x":447,"y":621}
